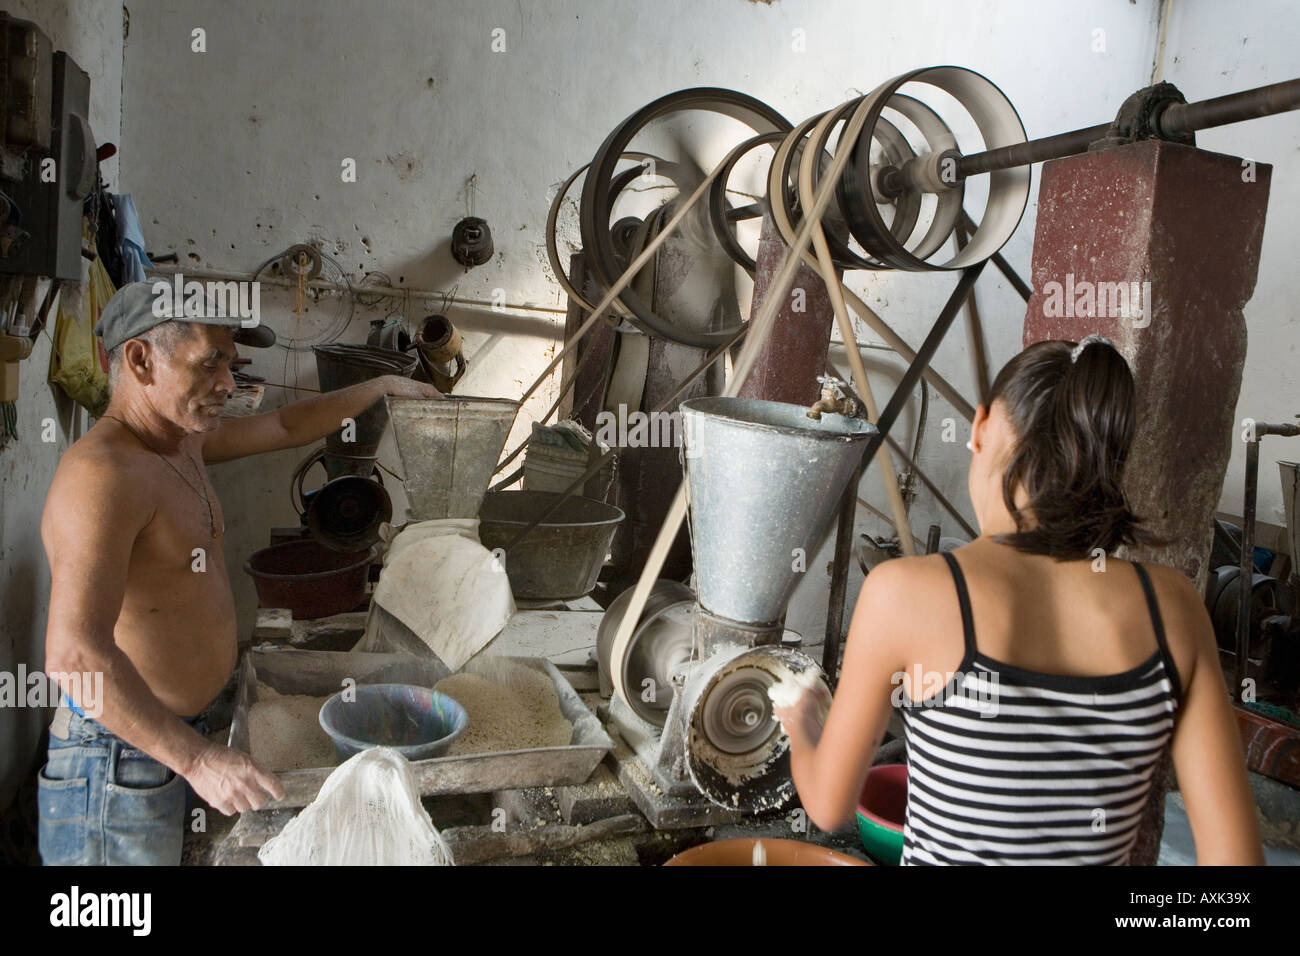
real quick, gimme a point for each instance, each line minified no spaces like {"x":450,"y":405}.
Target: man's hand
{"x":306,"y":421}
{"x":401,"y":387}
{"x":231,"y":781}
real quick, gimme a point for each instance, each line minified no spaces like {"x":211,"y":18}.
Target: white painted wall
{"x":240,"y":150}
{"x":234,"y":153}
{"x":1209,"y":53}
{"x":91,"y":32}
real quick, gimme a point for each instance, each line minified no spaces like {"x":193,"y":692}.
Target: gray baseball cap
{"x":138,"y":307}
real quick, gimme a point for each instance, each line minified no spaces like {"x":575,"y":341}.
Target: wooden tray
{"x":322,"y":672}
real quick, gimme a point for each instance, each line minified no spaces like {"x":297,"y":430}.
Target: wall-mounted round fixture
{"x":471,"y":242}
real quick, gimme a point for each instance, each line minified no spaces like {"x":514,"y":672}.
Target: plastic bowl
{"x":417,"y":722}
{"x":881,"y":809}
{"x":740,"y":852}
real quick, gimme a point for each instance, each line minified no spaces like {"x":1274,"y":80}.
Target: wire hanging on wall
{"x":306,"y":263}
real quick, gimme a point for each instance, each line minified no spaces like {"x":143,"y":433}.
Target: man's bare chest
{"x":187,"y":526}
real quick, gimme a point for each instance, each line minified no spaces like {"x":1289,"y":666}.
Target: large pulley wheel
{"x":603,"y":261}
{"x":860,"y":183}
{"x":1008,"y":189}
{"x":641,"y":669}
{"x":721,"y":215}
{"x":787,"y":199}
{"x":618,"y":229}
{"x":736,"y":752}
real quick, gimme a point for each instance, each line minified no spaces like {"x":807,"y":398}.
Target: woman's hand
{"x":804,"y":720}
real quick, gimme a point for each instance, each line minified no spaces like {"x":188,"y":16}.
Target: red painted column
{"x":1182,"y":228}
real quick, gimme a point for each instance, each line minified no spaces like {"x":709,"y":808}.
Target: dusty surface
{"x":510,"y":707}
{"x":284,"y":732}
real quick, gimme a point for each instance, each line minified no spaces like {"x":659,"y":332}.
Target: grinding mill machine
{"x":690,"y":683}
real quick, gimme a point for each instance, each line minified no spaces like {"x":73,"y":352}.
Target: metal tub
{"x":561,"y":558}
{"x":319,"y":673}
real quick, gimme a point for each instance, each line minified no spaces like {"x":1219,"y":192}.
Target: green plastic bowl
{"x":881,"y":809}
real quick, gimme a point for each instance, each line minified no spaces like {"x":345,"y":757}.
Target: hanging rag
{"x":130,"y":240}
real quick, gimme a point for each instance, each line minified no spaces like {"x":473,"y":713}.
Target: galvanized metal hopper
{"x":449,"y":447}
{"x":763,"y":482}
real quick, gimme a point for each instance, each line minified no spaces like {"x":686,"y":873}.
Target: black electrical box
{"x":43,"y":209}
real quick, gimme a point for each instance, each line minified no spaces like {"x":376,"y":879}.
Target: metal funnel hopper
{"x":763,"y":482}
{"x":449,"y":448}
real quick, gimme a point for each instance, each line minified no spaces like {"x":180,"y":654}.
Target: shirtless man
{"x":129,"y":504}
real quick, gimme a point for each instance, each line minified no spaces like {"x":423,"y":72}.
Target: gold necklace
{"x":212,"y":523}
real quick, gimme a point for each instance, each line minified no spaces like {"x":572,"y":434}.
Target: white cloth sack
{"x":445,"y":587}
{"x":368,"y":813}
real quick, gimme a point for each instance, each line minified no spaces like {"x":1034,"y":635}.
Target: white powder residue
{"x":284,"y":733}
{"x":789,"y":689}
{"x":510,"y":706}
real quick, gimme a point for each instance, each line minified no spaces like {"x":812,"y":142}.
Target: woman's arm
{"x":1207,"y":749}
{"x":829,"y":763}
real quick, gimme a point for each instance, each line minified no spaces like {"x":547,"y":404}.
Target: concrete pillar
{"x":1182,"y":228}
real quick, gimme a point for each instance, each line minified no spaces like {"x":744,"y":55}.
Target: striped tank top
{"x":1009,"y":766}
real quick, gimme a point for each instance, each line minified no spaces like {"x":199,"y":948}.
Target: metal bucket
{"x":548,"y":468}
{"x":339,"y":366}
{"x":764,"y":481}
{"x":449,"y":447}
{"x":561,"y":558}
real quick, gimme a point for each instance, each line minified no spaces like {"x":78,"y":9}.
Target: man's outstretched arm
{"x":304,"y":422}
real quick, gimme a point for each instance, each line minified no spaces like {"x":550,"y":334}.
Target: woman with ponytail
{"x":1041,"y":678}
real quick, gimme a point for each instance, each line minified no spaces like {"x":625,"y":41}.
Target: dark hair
{"x":1072,"y":413}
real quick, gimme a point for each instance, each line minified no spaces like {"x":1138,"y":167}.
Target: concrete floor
{"x":1177,"y":849}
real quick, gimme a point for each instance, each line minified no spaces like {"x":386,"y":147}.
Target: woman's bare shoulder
{"x":903,"y":591}
{"x":1182,"y":613}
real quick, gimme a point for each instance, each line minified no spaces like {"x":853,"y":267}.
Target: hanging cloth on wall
{"x":130,"y":240}
{"x":102,"y":213}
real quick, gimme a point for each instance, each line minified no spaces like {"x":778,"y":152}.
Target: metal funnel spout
{"x":449,"y":447}
{"x":763,"y":482}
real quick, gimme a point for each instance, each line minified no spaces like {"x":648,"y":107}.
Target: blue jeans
{"x":104,"y":803}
